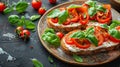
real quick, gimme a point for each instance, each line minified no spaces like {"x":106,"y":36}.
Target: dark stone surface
{"x":22,"y":51}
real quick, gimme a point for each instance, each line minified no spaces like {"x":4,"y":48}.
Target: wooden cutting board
{"x":90,"y":60}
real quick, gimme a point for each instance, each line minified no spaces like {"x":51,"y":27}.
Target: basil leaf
{"x":92,"y":11}
{"x":91,"y":3}
{"x":92,"y":39}
{"x":34,"y":17}
{"x":54,"y":13}
{"x":78,"y":35}
{"x":49,"y":30}
{"x":20,"y":23}
{"x":105,"y":26}
{"x":21,"y":6}
{"x":101,"y":8}
{"x":51,"y":38}
{"x":37,"y":63}
{"x":13,"y":19}
{"x":77,"y":58}
{"x":62,"y":17}
{"x":114,"y":24}
{"x":8,"y":10}
{"x":89,"y":31}
{"x":29,"y":24}
{"x":73,"y":6}
{"x":115,"y":33}
{"x":50,"y":59}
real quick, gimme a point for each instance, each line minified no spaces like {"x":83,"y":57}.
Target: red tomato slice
{"x":107,"y":6}
{"x":67,"y":22}
{"x":114,"y":39}
{"x":84,"y":21}
{"x":100,"y":39}
{"x":82,"y":9}
{"x":54,"y":20}
{"x":118,"y":28}
{"x":60,"y":35}
{"x":69,"y":40}
{"x":80,"y":45}
{"x":105,"y":20}
{"x":75,"y":19}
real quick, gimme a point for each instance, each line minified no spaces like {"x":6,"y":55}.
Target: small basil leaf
{"x":29,"y":24}
{"x":49,"y":30}
{"x":89,"y":31}
{"x":101,"y":8}
{"x":20,"y":23}
{"x":21,"y":6}
{"x":13,"y":19}
{"x":114,"y":24}
{"x":8,"y":10}
{"x":91,"y":3}
{"x":104,"y":26}
{"x":62,"y":17}
{"x":50,"y":59}
{"x":54,"y":13}
{"x":92,"y":11}
{"x":92,"y":39}
{"x":34,"y":17}
{"x":73,"y":6}
{"x":77,"y":58}
{"x":37,"y":63}
{"x":78,"y":35}
{"x":115,"y":33}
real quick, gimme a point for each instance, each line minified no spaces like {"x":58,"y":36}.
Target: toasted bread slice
{"x":65,"y":28}
{"x":72,"y":49}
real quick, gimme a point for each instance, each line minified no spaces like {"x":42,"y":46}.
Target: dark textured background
{"x":22,"y":51}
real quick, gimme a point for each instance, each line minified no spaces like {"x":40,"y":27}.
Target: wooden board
{"x":115,"y":4}
{"x":90,"y":60}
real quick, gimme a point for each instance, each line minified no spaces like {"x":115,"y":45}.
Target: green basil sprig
{"x":37,"y":63}
{"x":77,"y":58}
{"x":62,"y":15}
{"x":91,"y":3}
{"x":88,"y":34}
{"x":34,"y":17}
{"x":21,"y":6}
{"x":50,"y":59}
{"x":17,"y":21}
{"x":50,"y":37}
{"x":111,"y":29}
{"x":94,"y":8}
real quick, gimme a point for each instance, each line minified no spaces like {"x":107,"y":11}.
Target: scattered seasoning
{"x":77,"y":58}
{"x":50,"y":59}
{"x":10,"y":58}
{"x":9,"y":35}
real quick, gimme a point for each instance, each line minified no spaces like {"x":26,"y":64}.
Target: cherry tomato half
{"x":60,"y":35}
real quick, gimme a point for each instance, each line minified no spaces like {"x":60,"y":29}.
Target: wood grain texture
{"x":90,"y":60}
{"x":115,"y":4}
